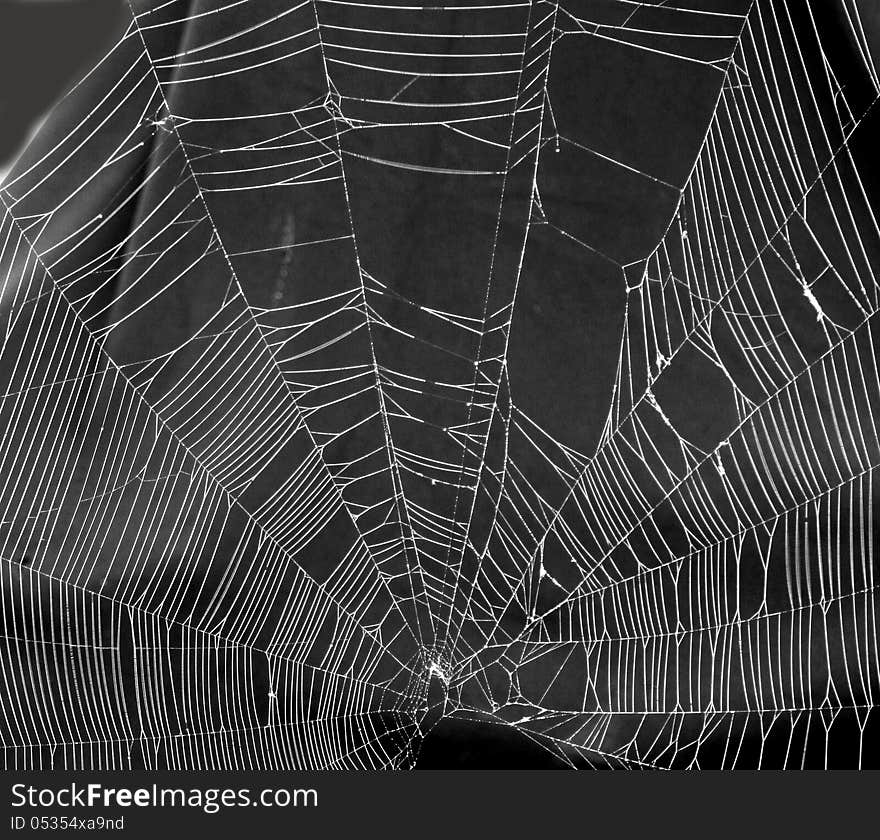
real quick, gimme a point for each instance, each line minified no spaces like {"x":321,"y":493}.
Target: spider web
{"x":276,"y":496}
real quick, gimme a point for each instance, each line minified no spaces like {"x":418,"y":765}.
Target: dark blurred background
{"x":46,"y":46}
